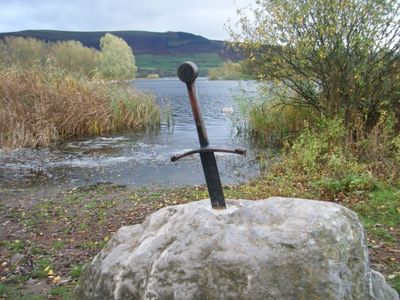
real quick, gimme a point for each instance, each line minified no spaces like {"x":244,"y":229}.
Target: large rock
{"x":271,"y":249}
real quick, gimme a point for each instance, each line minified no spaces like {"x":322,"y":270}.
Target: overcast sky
{"x":203,"y":17}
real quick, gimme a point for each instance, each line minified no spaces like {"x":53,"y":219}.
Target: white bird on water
{"x":227,"y":110}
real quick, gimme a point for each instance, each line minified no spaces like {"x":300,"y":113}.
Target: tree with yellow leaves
{"x":116,"y":59}
{"x":338,"y":57}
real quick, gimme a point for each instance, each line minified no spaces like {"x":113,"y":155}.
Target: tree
{"x":228,"y":71}
{"x":73,"y":57}
{"x":21,"y":52}
{"x":116,"y":59}
{"x":339,"y":57}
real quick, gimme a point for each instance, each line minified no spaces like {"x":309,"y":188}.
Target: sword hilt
{"x":208,"y":149}
{"x":188,"y":72}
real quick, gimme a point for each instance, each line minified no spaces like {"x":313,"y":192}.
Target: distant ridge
{"x":142,"y":42}
{"x":156,"y":52}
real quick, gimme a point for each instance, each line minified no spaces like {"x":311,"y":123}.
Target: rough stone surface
{"x":380,"y":287}
{"x":278,"y":248}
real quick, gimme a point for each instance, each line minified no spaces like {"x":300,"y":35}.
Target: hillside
{"x":155,"y":52}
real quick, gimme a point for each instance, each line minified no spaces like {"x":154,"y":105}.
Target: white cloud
{"x":206,"y":17}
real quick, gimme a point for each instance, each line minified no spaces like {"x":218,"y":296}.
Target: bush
{"x":73,"y":57}
{"x":115,"y":61}
{"x":349,"y":183}
{"x":276,"y":123}
{"x":228,"y":71}
{"x":322,"y":151}
{"x":340,"y":58}
{"x":396,"y":144}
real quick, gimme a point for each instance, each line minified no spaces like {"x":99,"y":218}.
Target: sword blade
{"x":213,"y":181}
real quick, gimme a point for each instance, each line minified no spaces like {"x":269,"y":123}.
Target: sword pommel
{"x":187,"y":72}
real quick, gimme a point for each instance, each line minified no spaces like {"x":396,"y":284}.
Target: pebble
{"x":17,"y":258}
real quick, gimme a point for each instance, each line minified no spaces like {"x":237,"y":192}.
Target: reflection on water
{"x":139,"y":159}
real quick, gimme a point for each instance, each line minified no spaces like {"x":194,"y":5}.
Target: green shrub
{"x":396,"y":144}
{"x":42,"y":268}
{"x":75,"y":272}
{"x":228,"y":71}
{"x":322,"y":151}
{"x":16,"y":246}
{"x":328,"y":55}
{"x":275,"y":122}
{"x":348,"y":183}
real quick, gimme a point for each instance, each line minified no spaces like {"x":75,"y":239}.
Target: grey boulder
{"x":278,"y":248}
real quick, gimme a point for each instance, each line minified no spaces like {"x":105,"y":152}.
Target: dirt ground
{"x":48,"y":235}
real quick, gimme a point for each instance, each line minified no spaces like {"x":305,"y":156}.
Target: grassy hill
{"x":155,"y":52}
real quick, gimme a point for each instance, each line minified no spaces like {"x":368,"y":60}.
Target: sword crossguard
{"x":208,"y":149}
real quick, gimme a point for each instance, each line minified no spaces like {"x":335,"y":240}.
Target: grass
{"x":114,"y":206}
{"x":165,"y":65}
{"x":76,"y":271}
{"x":383,"y":207}
{"x":275,"y":123}
{"x":38,"y":108}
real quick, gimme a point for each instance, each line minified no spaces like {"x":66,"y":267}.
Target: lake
{"x":142,"y":159}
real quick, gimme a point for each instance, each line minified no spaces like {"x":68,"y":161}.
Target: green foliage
{"x":58,"y":244}
{"x":3,"y":290}
{"x":47,"y":93}
{"x":73,"y":57}
{"x":61,"y":292}
{"x":132,"y":108}
{"x":349,"y":183}
{"x":396,"y":144}
{"x":22,"y":52}
{"x":228,"y":71}
{"x":382,"y":207}
{"x":16,"y":246}
{"x":75,"y":272}
{"x":338,"y":57}
{"x":42,"y":267}
{"x":116,"y":59}
{"x":277,"y":123}
{"x":320,"y":151}
{"x":69,"y":57}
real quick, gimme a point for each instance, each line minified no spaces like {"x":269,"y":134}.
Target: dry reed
{"x":38,"y":108}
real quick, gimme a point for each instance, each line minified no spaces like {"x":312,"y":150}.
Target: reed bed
{"x":276,"y":123}
{"x":40,"y":107}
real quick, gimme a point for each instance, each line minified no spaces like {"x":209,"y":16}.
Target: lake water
{"x":141,"y":159}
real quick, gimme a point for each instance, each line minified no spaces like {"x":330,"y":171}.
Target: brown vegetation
{"x":39,"y":107}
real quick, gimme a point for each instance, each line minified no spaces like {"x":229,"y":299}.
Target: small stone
{"x":17,"y":259}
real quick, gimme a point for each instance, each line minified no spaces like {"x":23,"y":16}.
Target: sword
{"x":187,"y":73}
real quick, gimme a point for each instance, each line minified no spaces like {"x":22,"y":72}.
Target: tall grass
{"x":39,"y":107}
{"x":276,"y":123}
